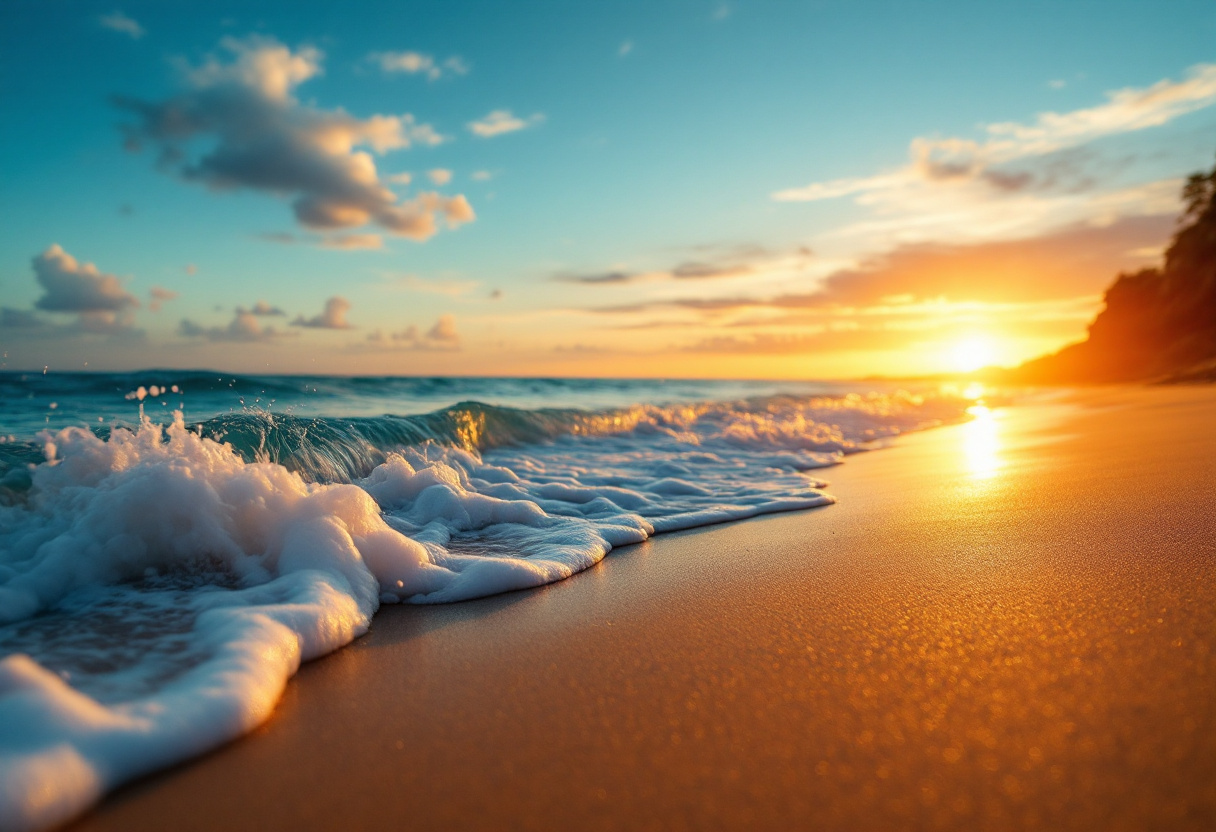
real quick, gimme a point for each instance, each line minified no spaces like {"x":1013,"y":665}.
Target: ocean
{"x":173,"y":544}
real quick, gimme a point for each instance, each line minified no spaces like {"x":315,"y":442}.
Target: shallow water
{"x":160,"y":579}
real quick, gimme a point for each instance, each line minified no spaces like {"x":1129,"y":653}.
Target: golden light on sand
{"x":972,"y":353}
{"x":982,"y":443}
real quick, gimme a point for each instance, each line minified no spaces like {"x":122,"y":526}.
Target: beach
{"x":1004,"y":624}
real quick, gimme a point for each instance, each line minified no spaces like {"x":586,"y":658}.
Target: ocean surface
{"x":173,"y":544}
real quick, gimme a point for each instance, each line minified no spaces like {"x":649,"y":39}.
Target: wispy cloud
{"x":415,"y":63}
{"x":625,"y":48}
{"x":955,"y":159}
{"x":116,"y":21}
{"x":158,"y":296}
{"x":264,"y":139}
{"x":353,"y":242}
{"x":498,"y":122}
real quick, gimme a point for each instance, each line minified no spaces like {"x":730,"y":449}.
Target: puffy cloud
{"x":442,"y":336}
{"x":498,"y":122}
{"x":262,"y":138}
{"x":244,"y":326}
{"x":70,"y":286}
{"x":158,"y":296}
{"x":440,"y":176}
{"x":444,"y":330}
{"x":414,"y":63}
{"x":118,"y":22}
{"x":333,"y":316}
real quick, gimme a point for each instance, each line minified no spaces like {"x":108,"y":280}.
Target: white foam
{"x":157,"y":592}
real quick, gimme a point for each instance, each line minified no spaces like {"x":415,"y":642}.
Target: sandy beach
{"x":1006,"y":624}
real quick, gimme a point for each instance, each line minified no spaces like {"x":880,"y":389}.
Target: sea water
{"x":174,"y":544}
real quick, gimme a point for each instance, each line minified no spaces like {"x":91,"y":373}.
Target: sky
{"x":677,"y":189}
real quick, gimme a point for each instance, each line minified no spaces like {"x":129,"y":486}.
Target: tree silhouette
{"x":1157,"y":322}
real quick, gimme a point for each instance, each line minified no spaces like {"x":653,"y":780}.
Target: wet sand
{"x":1009,"y":624}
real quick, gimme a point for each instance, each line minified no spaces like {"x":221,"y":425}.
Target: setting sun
{"x":972,"y":353}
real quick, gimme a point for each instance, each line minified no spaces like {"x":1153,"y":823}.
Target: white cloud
{"x":957,"y":159}
{"x":399,"y":178}
{"x":625,"y":48}
{"x":439,"y":176}
{"x":116,"y":21}
{"x":481,"y":176}
{"x":498,"y":122}
{"x":266,"y":140}
{"x":414,"y":63}
{"x":333,"y":316}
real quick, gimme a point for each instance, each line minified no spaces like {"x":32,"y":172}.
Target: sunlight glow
{"x":982,"y":443}
{"x":972,"y":353}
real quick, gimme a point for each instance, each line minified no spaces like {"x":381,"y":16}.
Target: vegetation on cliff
{"x":1158,"y":323}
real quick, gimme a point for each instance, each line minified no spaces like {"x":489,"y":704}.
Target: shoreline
{"x":983,"y":632}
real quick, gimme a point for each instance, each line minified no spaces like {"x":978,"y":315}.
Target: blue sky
{"x":688,"y":188}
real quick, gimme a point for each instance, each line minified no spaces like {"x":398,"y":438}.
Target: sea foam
{"x":158,"y":587}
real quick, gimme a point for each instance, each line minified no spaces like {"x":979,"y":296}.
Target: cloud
{"x":1070,"y":263}
{"x":70,"y":286}
{"x":158,"y":297}
{"x":262,"y":309}
{"x":282,"y":237}
{"x":958,"y":159}
{"x":260,"y":137}
{"x":498,"y":122}
{"x":847,"y":339}
{"x":21,"y":319}
{"x":191,"y":269}
{"x":399,"y":178}
{"x":1075,"y":261}
{"x":713,"y":262}
{"x":442,"y":337}
{"x":414,"y":63}
{"x":333,"y":316}
{"x":116,"y":21}
{"x":625,"y":48}
{"x":481,"y":176}
{"x":244,"y":326}
{"x":351,"y":242}
{"x":439,"y":176}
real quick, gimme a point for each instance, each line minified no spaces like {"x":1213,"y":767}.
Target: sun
{"x":972,"y":353}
